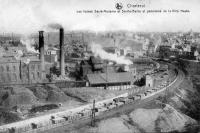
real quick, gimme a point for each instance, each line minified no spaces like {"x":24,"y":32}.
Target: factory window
{"x":3,"y":78}
{"x":38,"y":74}
{"x":14,"y":68}
{"x":38,"y":67}
{"x":48,"y":52}
{"x":9,"y":78}
{"x":7,"y":67}
{"x":14,"y":77}
{"x":33,"y":67}
{"x":2,"y":69}
{"x":33,"y":76}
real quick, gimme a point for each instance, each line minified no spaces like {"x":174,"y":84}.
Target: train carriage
{"x":150,"y":91}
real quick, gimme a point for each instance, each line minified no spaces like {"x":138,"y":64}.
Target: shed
{"x":110,"y":79}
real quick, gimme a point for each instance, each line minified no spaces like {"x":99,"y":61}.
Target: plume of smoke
{"x":18,"y":55}
{"x":29,"y":44}
{"x":26,"y":61}
{"x":99,"y":51}
{"x":55,"y":26}
{"x":157,"y":43}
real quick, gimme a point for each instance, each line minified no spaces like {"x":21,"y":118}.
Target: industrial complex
{"x":76,"y":80}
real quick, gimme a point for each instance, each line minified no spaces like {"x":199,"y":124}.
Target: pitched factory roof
{"x":103,"y":78}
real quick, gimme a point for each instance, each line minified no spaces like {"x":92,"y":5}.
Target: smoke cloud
{"x":18,"y":55}
{"x":99,"y":51}
{"x":28,"y":42}
{"x":157,"y":43}
{"x":55,"y":26}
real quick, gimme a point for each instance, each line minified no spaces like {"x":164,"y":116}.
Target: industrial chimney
{"x":62,"y":54}
{"x":41,"y":51}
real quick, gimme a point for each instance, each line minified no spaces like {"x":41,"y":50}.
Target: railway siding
{"x":67,"y":117}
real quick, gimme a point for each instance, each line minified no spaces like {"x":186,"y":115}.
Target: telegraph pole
{"x":106,"y":75}
{"x":93,"y":115}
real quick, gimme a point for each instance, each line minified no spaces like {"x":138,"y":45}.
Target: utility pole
{"x":93,"y":115}
{"x":48,"y":38}
{"x":106,"y":75}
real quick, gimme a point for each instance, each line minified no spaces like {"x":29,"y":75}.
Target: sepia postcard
{"x":99,"y":66}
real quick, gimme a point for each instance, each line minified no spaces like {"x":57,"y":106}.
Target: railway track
{"x":127,"y":108}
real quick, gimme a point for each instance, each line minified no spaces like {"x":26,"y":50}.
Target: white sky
{"x":26,"y":16}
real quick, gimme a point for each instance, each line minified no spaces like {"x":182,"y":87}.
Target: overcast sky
{"x":27,"y":16}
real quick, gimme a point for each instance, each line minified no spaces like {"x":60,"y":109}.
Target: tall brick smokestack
{"x":41,"y":51}
{"x":62,"y":54}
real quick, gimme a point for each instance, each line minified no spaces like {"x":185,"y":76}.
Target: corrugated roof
{"x":103,"y":78}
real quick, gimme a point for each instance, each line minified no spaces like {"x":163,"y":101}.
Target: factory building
{"x":93,"y":65}
{"x":51,"y":55}
{"x":96,"y":63}
{"x":16,"y":71}
{"x":110,"y":79}
{"x":149,"y":81}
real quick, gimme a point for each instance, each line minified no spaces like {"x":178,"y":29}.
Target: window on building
{"x":14,"y":68}
{"x":33,"y":67}
{"x":14,"y":77}
{"x":9,"y":78}
{"x":33,"y":76}
{"x":38,"y":74}
{"x":2,"y":78}
{"x":38,"y":67}
{"x":2,"y":69}
{"x":7,"y":67}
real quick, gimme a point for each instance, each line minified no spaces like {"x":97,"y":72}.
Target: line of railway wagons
{"x":83,"y":112}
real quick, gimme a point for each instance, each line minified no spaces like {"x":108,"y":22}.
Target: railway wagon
{"x":102,"y":109}
{"x":43,"y":125}
{"x":155,"y":89}
{"x":137,"y":97}
{"x":85,"y":113}
{"x":127,"y":100}
{"x":150,"y":91}
{"x":119,"y":104}
{"x":119,"y":99}
{"x":58,"y":120}
{"x":21,"y":129}
{"x":147,"y":93}
{"x":66,"y":117}
{"x":75,"y":117}
{"x":131,"y":98}
{"x":110,"y":105}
